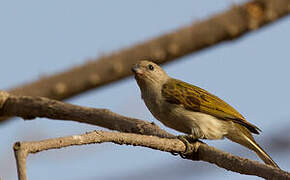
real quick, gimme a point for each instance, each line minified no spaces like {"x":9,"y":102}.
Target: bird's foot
{"x":191,"y":146}
{"x":187,"y":140}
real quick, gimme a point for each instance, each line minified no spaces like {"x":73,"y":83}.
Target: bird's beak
{"x":136,"y":69}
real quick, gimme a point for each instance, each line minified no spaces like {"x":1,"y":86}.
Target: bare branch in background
{"x":31,"y":107}
{"x":204,"y":152}
{"x":225,"y":26}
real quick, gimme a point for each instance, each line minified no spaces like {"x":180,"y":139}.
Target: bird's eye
{"x":150,"y":66}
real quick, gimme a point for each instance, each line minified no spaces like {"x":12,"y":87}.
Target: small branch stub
{"x":20,"y":154}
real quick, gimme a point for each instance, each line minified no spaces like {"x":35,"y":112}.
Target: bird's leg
{"x":188,"y":140}
{"x":185,"y":139}
{"x":191,"y":145}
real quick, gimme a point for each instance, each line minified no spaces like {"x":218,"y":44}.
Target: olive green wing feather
{"x":196,"y":99}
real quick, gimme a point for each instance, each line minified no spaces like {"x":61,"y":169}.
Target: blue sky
{"x":39,"y":38}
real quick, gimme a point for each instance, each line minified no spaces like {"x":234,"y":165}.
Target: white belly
{"x":198,"y":124}
{"x":210,"y":126}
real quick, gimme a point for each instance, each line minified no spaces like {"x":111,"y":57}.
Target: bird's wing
{"x":199,"y":100}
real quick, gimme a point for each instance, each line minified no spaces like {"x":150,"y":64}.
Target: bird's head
{"x":149,"y":74}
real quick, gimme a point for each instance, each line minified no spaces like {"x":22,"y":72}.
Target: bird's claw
{"x":190,"y":145}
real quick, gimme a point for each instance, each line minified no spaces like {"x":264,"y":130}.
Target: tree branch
{"x":225,"y":26}
{"x":31,"y":107}
{"x":204,"y":152}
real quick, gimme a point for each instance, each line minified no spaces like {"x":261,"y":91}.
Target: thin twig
{"x":229,"y":25}
{"x":204,"y":152}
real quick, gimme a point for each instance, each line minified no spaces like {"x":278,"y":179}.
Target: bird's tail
{"x":260,"y":152}
{"x":247,"y":140}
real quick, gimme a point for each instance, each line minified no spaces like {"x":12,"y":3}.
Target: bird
{"x":192,"y":110}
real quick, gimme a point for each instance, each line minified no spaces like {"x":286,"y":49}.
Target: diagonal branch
{"x":204,"y":152}
{"x":229,"y":25}
{"x":31,"y":107}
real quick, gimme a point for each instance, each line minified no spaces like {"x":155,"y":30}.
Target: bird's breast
{"x":168,"y":114}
